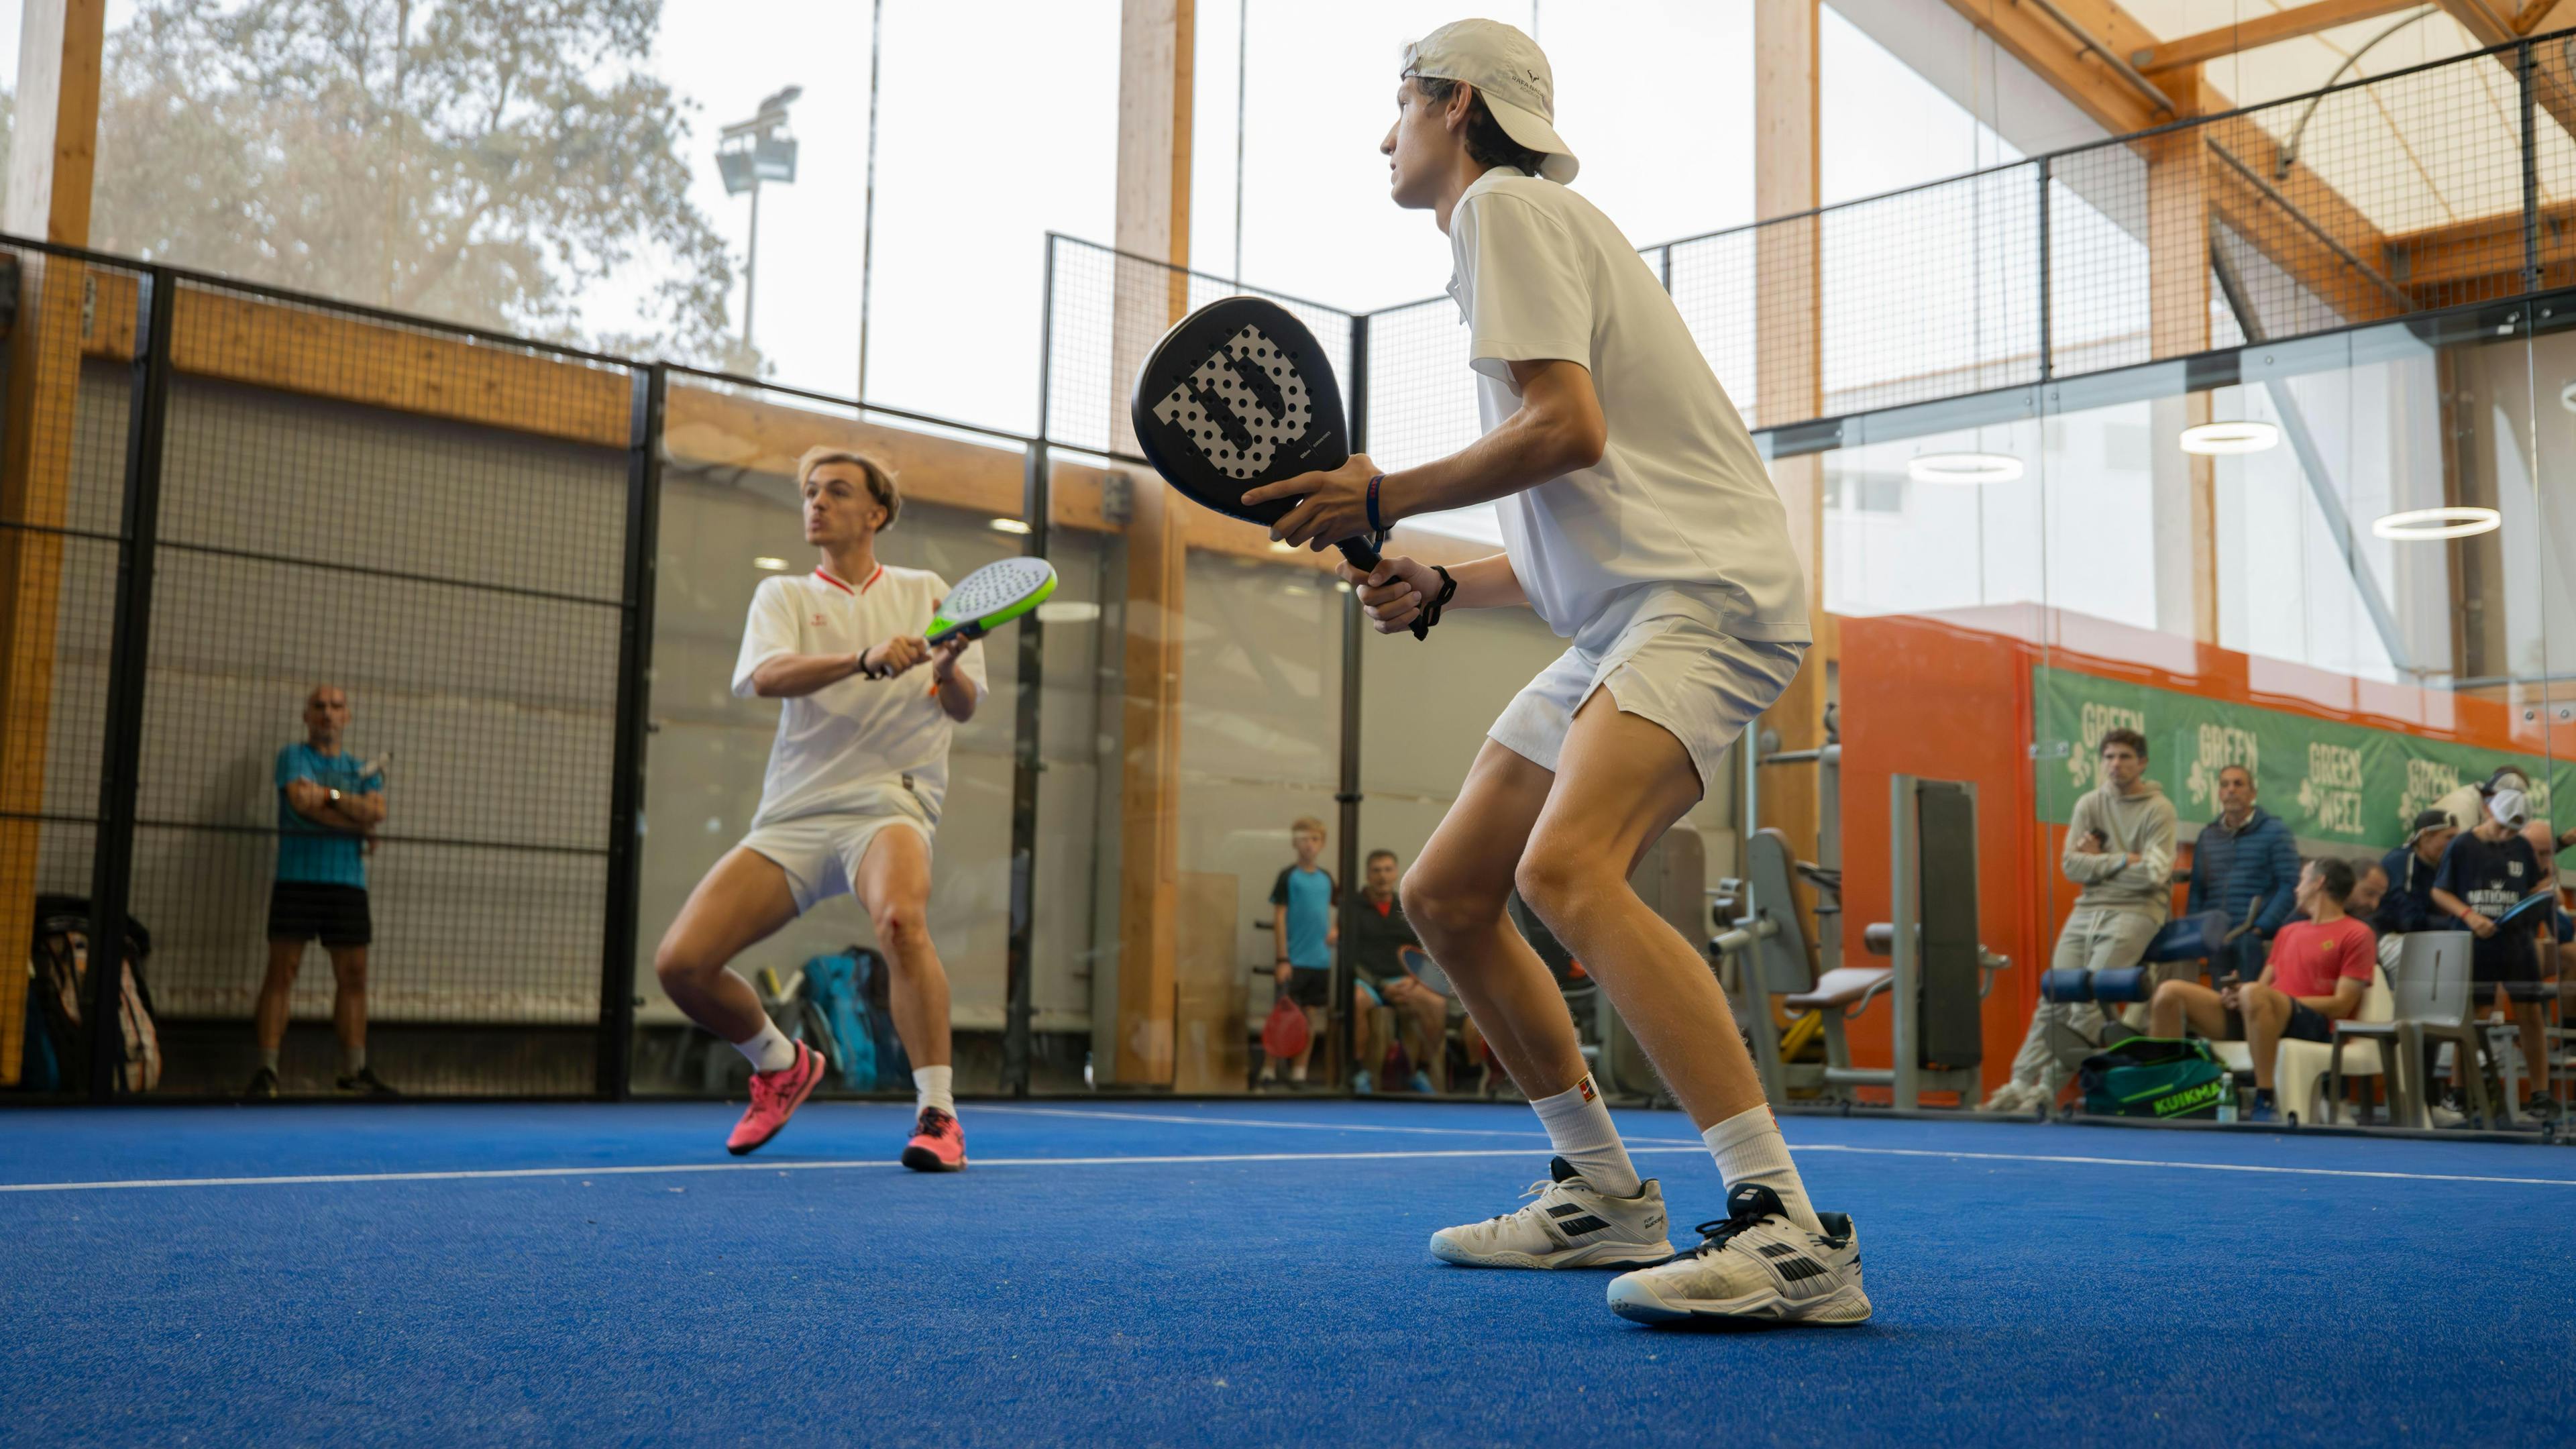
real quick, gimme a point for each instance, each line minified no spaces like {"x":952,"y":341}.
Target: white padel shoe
{"x":1755,"y":1267}
{"x":1572,"y":1225}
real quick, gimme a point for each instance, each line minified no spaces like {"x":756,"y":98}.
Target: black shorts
{"x":2306,"y":1023}
{"x":335,"y":915}
{"x":2494,"y":962}
{"x":1310,"y":986}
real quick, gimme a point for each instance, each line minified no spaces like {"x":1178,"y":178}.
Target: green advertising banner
{"x":2330,"y":783}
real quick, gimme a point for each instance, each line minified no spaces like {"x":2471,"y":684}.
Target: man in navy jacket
{"x":2243,"y":864}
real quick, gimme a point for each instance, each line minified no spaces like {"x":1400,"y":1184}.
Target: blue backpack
{"x":852,"y":989}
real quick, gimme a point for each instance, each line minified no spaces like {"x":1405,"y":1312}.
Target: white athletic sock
{"x":930,"y":1088}
{"x":353,"y":1060}
{"x":1578,"y":1126}
{"x":1748,"y":1148}
{"x":768,"y":1050}
{"x":268,"y":1058}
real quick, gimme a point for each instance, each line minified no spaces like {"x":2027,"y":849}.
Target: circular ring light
{"x":2426,"y":525}
{"x":2217,"y":439}
{"x":2567,"y":397}
{"x":1964,"y":469}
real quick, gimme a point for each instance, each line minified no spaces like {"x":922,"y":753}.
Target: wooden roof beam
{"x":2085,"y":71}
{"x":2265,"y":30}
{"x":2495,"y":22}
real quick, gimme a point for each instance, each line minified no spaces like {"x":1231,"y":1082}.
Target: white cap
{"x":2507,"y":806}
{"x":1509,"y":70}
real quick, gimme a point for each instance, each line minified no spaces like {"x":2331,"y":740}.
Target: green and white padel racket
{"x":990,"y":597}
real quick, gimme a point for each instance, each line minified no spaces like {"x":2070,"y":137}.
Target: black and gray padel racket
{"x":1236,"y":395}
{"x":990,"y":597}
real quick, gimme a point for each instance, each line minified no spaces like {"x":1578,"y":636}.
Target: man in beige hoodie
{"x":2119,"y":850}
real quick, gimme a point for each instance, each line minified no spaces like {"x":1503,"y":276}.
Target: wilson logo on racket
{"x":1240,"y":405}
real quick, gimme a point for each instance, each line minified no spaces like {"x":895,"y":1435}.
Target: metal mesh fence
{"x":1107,"y":309}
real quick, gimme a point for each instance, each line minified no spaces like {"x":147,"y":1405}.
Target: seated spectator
{"x":2408,"y":905}
{"x":2245,"y":866}
{"x":1379,"y":933}
{"x":2119,"y":850}
{"x":2484,"y":873}
{"x":2317,"y":973}
{"x":2369,"y":891}
{"x":329,"y":805}
{"x":1302,"y":913}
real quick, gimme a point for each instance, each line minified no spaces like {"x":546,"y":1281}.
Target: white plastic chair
{"x":2301,"y":1069}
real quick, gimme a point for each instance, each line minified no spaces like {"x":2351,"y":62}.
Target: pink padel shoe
{"x":938,"y":1144}
{"x":775,"y":1096}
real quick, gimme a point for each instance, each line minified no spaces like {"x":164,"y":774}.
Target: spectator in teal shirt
{"x":328,"y":804}
{"x":1301,"y":920}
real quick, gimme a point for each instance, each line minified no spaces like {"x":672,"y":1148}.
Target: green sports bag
{"x":2148,"y":1076}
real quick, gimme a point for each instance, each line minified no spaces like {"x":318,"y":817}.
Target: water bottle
{"x":2227,"y":1100}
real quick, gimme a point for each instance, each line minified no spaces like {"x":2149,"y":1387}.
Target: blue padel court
{"x":1237,"y":1273}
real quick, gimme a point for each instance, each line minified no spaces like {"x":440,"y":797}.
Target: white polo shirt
{"x":1679,"y":516}
{"x":838,"y":746}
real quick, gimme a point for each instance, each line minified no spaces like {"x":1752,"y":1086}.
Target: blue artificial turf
{"x":813,"y":1294}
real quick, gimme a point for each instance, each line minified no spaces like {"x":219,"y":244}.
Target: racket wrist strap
{"x":870,"y":671}
{"x":1431,"y":611}
{"x":1376,"y":527}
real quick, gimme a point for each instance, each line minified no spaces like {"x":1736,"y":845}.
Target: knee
{"x":1557,"y":880}
{"x":351,"y":975}
{"x":1439,"y":905}
{"x":678,"y":967}
{"x":903,"y":924}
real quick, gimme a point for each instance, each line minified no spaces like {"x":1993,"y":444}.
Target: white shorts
{"x":821,"y":853}
{"x":1702,"y":685}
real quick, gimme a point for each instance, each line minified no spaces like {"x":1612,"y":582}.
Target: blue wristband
{"x":1374,"y":525}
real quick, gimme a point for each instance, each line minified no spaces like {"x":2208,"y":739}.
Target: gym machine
{"x":1937,"y":972}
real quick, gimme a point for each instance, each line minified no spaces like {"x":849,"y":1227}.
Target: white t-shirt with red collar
{"x":839,"y":747}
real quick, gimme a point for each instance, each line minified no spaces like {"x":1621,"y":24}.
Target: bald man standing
{"x":327,"y":806}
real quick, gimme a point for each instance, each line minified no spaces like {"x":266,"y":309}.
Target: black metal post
{"x":1348,"y":796}
{"x":2047,"y":359}
{"x":618,"y":941}
{"x":111,"y":872}
{"x":1037,"y":495}
{"x":2530,"y":175}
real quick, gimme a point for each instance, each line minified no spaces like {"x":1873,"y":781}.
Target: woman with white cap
{"x":1639,"y":522}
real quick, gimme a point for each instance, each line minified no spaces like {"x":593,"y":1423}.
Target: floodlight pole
{"x":751,"y":262}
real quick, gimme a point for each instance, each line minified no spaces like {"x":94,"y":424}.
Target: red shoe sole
{"x":922,"y":1159}
{"x":816,"y":1080}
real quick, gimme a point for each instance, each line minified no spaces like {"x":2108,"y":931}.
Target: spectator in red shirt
{"x":2315,"y":977}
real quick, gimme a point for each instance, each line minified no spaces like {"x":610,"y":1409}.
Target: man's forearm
{"x":1487,"y":583}
{"x":957,"y":695}
{"x":793,"y":676}
{"x":1531,"y":447}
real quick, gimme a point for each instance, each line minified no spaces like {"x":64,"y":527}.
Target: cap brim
{"x":1526,"y":127}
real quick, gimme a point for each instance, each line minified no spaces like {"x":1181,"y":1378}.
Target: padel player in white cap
{"x":856,"y":778}
{"x":1640,"y":524}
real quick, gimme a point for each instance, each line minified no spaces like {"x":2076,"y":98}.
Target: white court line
{"x":782,"y":1168}
{"x":982,"y":1107}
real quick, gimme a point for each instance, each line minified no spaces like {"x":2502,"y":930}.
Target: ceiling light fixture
{"x":2426,"y":525}
{"x":2211,"y":440}
{"x":1009,"y":525}
{"x":770,"y":565}
{"x":1968,"y":469}
{"x":2567,"y":397}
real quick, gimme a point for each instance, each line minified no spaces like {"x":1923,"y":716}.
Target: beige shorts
{"x":1702,"y":685}
{"x":821,"y":853}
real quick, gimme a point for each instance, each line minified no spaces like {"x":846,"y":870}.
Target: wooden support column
{"x":2179,"y":167}
{"x":51,"y":164}
{"x":1154,"y":97}
{"x":1790,"y":380}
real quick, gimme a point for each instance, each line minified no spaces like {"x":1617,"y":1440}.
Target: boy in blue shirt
{"x":1302,"y":920}
{"x":328,"y":804}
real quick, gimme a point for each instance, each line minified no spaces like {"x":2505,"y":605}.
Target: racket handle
{"x":967,"y":630}
{"x":1364,"y":557}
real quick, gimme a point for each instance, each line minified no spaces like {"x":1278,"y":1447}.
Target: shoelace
{"x":1716,"y":1233}
{"x":1533,"y":1190}
{"x":932,"y":1123}
{"x":766,"y":1086}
